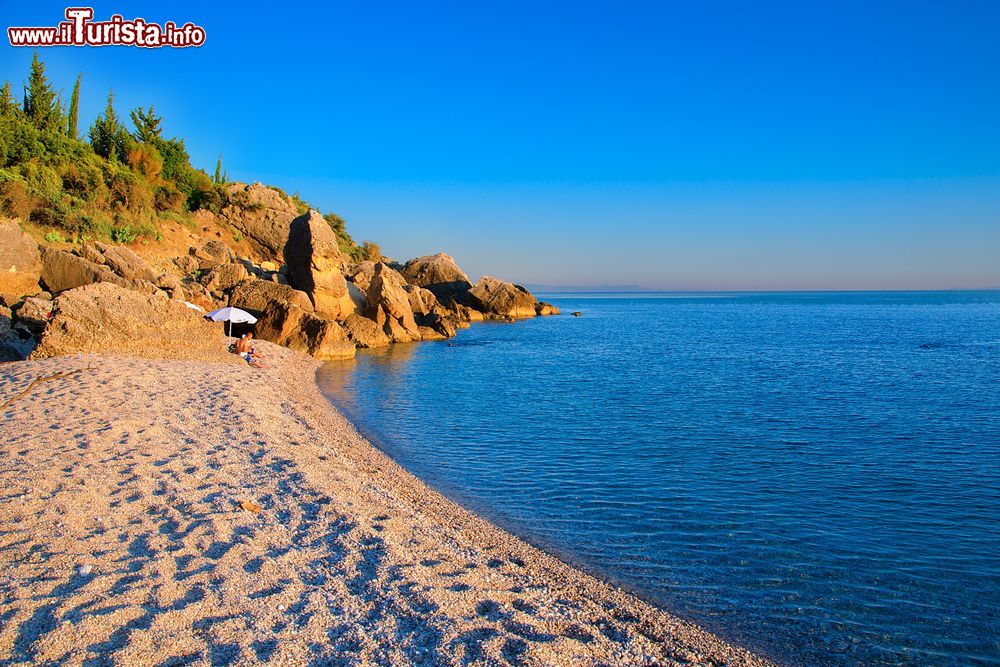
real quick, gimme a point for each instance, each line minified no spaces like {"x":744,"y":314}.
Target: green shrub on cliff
{"x":118,"y":184}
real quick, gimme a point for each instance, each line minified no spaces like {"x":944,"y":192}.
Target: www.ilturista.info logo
{"x":81,"y":30}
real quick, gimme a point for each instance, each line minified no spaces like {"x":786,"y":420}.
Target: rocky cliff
{"x":285,"y":268}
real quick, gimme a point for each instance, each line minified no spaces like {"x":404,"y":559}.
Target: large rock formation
{"x":498,"y":299}
{"x":262,"y":214}
{"x":315,"y":266}
{"x":363,"y":332}
{"x":440,"y":274}
{"x":62,"y":270}
{"x":255,"y":296}
{"x":388,"y":304}
{"x":20,"y":261}
{"x":104,"y":317}
{"x":286,"y":324}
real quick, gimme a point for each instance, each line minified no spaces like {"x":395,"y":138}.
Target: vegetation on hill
{"x":115,"y":183}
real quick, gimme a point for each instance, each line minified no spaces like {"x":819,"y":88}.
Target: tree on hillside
{"x":8,"y":104}
{"x":108,"y":136}
{"x":74,"y":110}
{"x":147,"y":125}
{"x":218,"y":171}
{"x":41,"y":104}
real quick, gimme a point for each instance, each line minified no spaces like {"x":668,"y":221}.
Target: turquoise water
{"x":812,"y":475}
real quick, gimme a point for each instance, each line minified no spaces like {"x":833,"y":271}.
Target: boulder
{"x":126,"y":263}
{"x":287,"y":324}
{"x":62,"y":271}
{"x":224,"y":277}
{"x":361,"y":274}
{"x":545,"y":308}
{"x":388,"y":304}
{"x":315,"y":265}
{"x":168,"y":282}
{"x":363,"y":332}
{"x":107,"y":318}
{"x":440,"y":274}
{"x":187,"y":263}
{"x":20,"y":260}
{"x":33,"y":314}
{"x":255,"y":296}
{"x":16,"y":342}
{"x":497,"y":299}
{"x":262,"y":214}
{"x":212,"y":254}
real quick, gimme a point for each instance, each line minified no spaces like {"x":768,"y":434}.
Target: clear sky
{"x":694,"y":145}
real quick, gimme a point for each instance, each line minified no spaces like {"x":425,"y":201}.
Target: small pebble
{"x":84,"y":570}
{"x":281,"y":607}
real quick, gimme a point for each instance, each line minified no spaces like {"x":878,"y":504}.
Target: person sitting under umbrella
{"x":246,"y":351}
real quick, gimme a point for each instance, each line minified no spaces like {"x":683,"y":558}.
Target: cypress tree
{"x":40,"y":103}
{"x":218,"y":170}
{"x":74,"y":109}
{"x":7,"y":103}
{"x":106,"y":132}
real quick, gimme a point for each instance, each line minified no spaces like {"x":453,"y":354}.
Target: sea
{"x":815,"y":476}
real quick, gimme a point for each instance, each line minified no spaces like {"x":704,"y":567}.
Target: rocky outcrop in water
{"x":501,"y":300}
{"x":388,"y":305}
{"x":440,"y":274}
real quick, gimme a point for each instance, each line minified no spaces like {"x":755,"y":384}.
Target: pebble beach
{"x":166,"y":512}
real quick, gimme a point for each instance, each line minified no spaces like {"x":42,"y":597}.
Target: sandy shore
{"x":134,"y":471}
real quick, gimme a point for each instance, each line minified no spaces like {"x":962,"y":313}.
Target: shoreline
{"x":351,"y":559}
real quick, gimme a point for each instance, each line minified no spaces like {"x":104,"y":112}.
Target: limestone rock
{"x":497,"y":299}
{"x":315,"y":265}
{"x":262,"y":214}
{"x":361,"y":274}
{"x":62,"y":271}
{"x":363,"y":332}
{"x":224,"y":277}
{"x":440,"y":274}
{"x":126,"y":263}
{"x":16,"y":343}
{"x":286,"y":324}
{"x":107,"y":318}
{"x":34,"y":314}
{"x":388,"y":304}
{"x":20,"y":260}
{"x":545,"y":308}
{"x":255,"y":296}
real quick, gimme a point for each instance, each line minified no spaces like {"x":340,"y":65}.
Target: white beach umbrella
{"x":230,"y":315}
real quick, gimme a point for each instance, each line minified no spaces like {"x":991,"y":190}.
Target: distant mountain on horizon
{"x":534,"y":287}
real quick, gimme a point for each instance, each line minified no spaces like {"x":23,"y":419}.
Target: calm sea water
{"x":816,"y":476}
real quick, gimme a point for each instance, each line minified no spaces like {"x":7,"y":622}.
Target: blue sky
{"x":703,"y":145}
